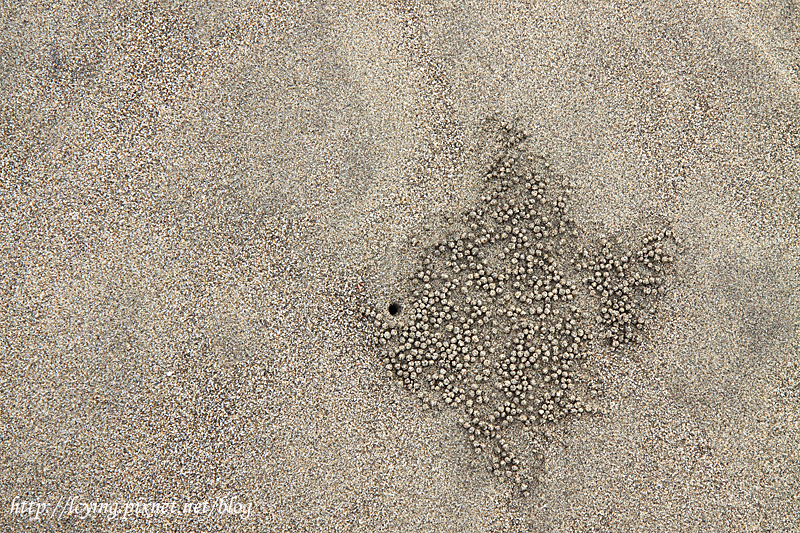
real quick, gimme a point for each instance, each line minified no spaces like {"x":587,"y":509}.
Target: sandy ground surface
{"x":195,"y":198}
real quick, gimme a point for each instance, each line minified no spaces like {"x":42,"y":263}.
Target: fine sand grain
{"x":196,"y":198}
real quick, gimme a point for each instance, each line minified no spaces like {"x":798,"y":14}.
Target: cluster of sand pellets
{"x":501,"y":320}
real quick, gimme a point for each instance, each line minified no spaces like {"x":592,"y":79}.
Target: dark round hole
{"x":394,"y":308}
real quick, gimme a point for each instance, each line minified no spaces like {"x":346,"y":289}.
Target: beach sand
{"x":196,"y":199}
